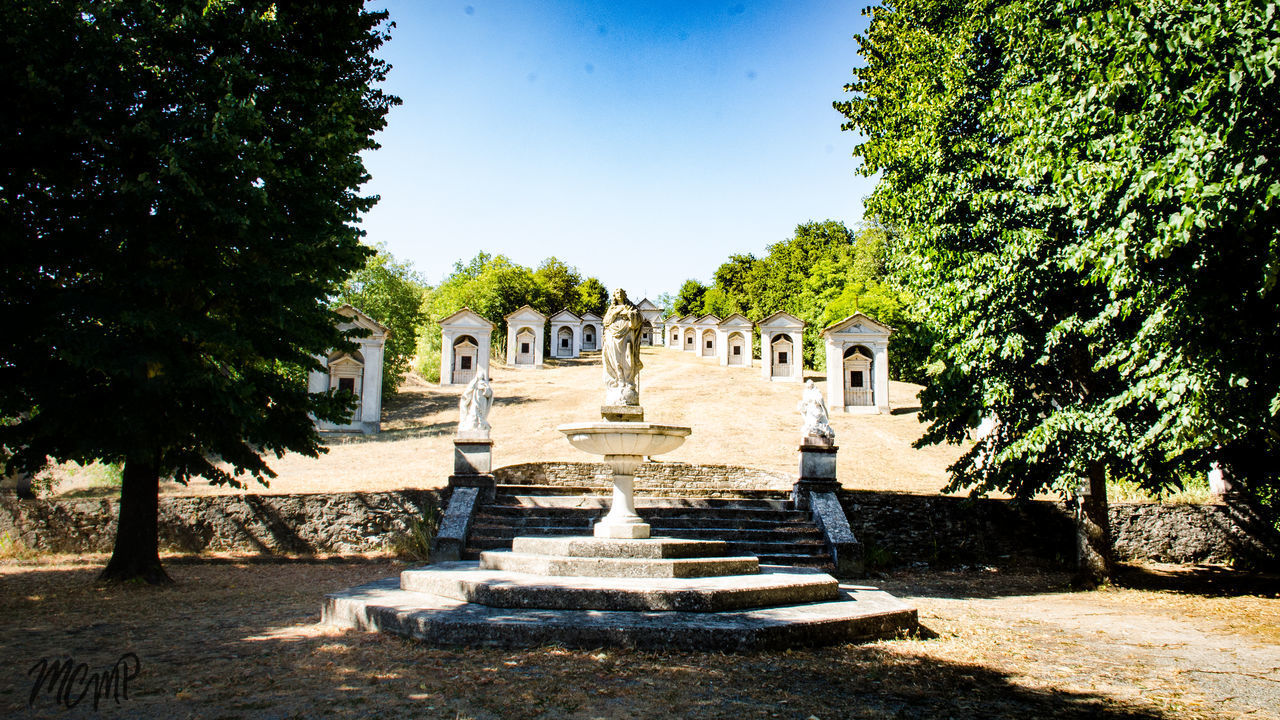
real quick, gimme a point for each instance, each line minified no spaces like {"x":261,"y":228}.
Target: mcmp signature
{"x":63,"y":678}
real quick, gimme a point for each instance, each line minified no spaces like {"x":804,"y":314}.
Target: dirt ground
{"x":737,"y":419}
{"x":237,"y":638}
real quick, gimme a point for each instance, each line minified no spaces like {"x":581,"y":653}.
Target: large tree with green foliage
{"x":391,"y":293}
{"x":1083,"y":197}
{"x":178,"y":204}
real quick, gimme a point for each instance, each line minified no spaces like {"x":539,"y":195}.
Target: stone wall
{"x":900,"y":529}
{"x":665,"y":475}
{"x":895,"y":529}
{"x":303,"y":523}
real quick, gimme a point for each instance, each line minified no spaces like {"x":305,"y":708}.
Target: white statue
{"x":621,"y":352}
{"x":474,"y":404}
{"x":813,"y":409}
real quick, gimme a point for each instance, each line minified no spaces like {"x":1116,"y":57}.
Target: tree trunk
{"x":137,"y":555}
{"x":1093,"y":530}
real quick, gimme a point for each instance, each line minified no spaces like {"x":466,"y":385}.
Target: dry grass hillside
{"x":737,"y":419}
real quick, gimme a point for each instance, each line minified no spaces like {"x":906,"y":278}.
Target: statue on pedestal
{"x":621,"y":351}
{"x":473,"y":406}
{"x":813,"y":410}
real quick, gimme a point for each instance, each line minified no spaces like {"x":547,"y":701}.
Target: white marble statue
{"x":474,"y":404}
{"x":813,"y":409}
{"x":621,"y":352}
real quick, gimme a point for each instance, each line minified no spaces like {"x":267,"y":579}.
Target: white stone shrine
{"x":358,"y":372}
{"x":566,"y":335}
{"x":733,"y":341}
{"x":673,"y":332}
{"x":857,"y":350}
{"x":689,"y":334}
{"x":525,"y":328}
{"x":705,"y":329}
{"x":464,"y":346}
{"x":651,"y":330}
{"x":591,"y":324}
{"x":782,"y":347}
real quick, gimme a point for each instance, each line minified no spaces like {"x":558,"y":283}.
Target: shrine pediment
{"x":781,"y":320}
{"x":858,"y":325}
{"x":467,"y":318}
{"x":526,"y":315}
{"x":357,"y":319}
{"x":564,"y":316}
{"x":735,"y":320}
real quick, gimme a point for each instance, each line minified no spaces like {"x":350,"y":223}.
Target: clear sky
{"x":642,"y":142}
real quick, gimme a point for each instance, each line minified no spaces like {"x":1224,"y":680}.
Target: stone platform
{"x":627,"y":593}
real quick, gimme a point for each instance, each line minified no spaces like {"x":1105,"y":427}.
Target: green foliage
{"x":593,"y":297}
{"x":494,"y":287}
{"x":823,"y":274}
{"x":559,"y":286}
{"x":391,"y":293}
{"x":178,"y":205}
{"x":1083,"y":199}
{"x":689,"y":300}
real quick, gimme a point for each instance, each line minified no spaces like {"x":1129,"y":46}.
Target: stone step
{"x":809,"y":535}
{"x":859,"y":613}
{"x":479,"y":542}
{"x":723,"y":513}
{"x":617,"y":567}
{"x":646,"y":548}
{"x":588,"y":497}
{"x":771,"y":587}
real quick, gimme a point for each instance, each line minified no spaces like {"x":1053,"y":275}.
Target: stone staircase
{"x":763,"y":523}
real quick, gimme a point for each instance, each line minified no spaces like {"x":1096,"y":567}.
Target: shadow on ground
{"x":238,"y":640}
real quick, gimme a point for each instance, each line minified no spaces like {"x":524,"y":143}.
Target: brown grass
{"x":237,"y":638}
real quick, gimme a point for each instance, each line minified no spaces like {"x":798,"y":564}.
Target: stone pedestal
{"x":622,"y":521}
{"x":473,"y":466}
{"x":817,"y":470}
{"x":622,"y":413}
{"x":472,"y":456}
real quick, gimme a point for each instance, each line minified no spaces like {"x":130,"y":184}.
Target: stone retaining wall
{"x":304,"y":523}
{"x":895,"y":529}
{"x":902,"y":529}
{"x":665,"y":475}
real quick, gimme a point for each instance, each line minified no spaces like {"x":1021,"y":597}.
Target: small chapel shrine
{"x":464,"y":346}
{"x":782,"y":348}
{"x":358,"y":372}
{"x":591,"y":324}
{"x":705,"y":328}
{"x":566,"y":334}
{"x":525,"y":329}
{"x":733,"y":338}
{"x":651,"y":329}
{"x":857,"y":350}
{"x":689,"y":333}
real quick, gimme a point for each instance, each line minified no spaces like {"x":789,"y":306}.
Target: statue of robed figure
{"x":621,"y":351}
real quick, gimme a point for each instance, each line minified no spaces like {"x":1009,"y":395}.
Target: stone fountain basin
{"x":624,"y":438}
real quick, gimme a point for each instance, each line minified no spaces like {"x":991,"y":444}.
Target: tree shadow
{"x":979,"y":583}
{"x":1199,"y":580}
{"x":240,"y":640}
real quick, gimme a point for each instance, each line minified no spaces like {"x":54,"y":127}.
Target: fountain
{"x":620,"y":586}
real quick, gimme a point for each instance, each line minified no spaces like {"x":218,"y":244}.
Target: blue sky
{"x":642,"y":142}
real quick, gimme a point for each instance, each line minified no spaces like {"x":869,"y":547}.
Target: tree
{"x":559,"y":284}
{"x":593,"y":297}
{"x":689,"y":300}
{"x":391,"y":293}
{"x":178,"y":205}
{"x":1082,"y":199}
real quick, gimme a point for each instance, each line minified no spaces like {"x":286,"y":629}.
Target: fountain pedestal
{"x":624,"y":446}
